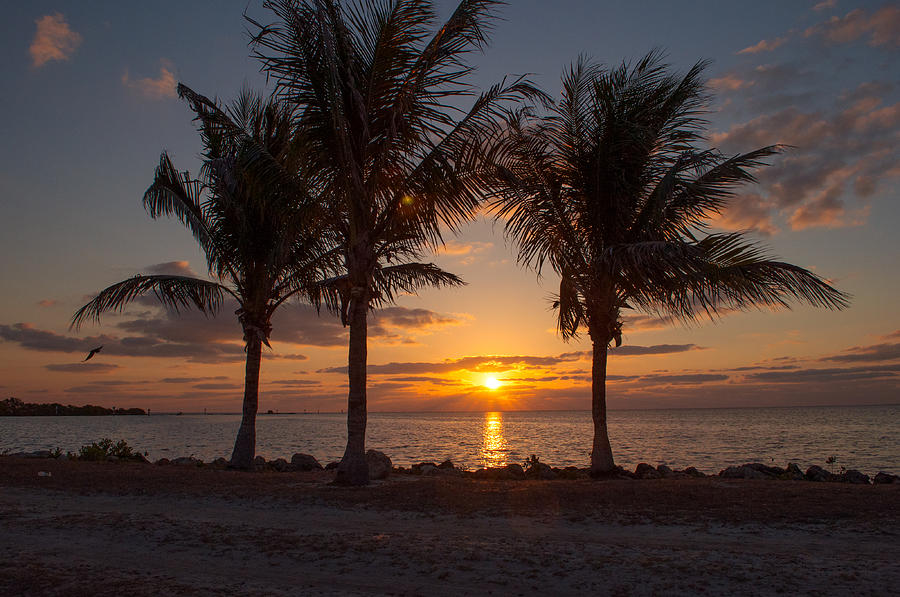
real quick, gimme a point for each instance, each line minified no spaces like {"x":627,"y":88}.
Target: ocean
{"x":866,"y":438}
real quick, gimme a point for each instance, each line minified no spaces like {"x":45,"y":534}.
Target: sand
{"x":118,"y":528}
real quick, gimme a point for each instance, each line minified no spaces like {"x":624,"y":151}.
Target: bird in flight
{"x":92,"y":353}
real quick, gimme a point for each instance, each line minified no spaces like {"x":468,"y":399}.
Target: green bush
{"x":105,"y":448}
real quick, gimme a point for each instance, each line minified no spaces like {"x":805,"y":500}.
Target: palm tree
{"x":611,"y":189}
{"x":252,"y":215}
{"x":397,"y":160}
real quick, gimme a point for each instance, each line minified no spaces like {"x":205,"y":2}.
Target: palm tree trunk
{"x":601,"y":452}
{"x":353,"y":469}
{"x":245,"y":444}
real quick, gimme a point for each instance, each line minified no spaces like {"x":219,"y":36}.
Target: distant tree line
{"x":13,"y":407}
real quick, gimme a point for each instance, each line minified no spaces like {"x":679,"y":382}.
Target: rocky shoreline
{"x":381,"y":466}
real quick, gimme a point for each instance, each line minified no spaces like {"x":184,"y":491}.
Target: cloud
{"x":217,"y":386}
{"x":632,"y":350}
{"x":873,"y":353}
{"x":686,"y":378}
{"x":160,"y":88}
{"x":47,"y":303}
{"x":467,"y":252}
{"x":487,"y":363}
{"x":82,"y":367}
{"x":764,"y":45}
{"x":186,"y":380}
{"x":294,"y":382}
{"x":823,"y":5}
{"x":842,"y":156}
{"x":171,"y":268}
{"x":53,"y":40}
{"x":882,"y":27}
{"x":823,"y":376}
{"x":729,"y":82}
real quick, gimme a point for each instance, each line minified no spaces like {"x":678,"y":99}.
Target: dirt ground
{"x":135,"y":529}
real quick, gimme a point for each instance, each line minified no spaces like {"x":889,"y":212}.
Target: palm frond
{"x":174,"y":292}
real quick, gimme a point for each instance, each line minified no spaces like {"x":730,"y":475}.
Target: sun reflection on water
{"x":493,"y":450}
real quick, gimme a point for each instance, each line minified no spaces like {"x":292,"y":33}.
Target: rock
{"x":332,"y":466}
{"x":427,"y":470}
{"x":163,"y":461}
{"x":510,"y":472}
{"x":514,"y":471}
{"x":418,"y":469}
{"x":665,"y":471}
{"x":446,"y":465}
{"x":259,"y":463}
{"x":645,"y":471}
{"x":792,"y":473}
{"x":379,"y":464}
{"x":693,"y":472}
{"x":281,"y":465}
{"x":305,"y":462}
{"x":882,"y":478}
{"x":855,"y":477}
{"x":219,"y":463}
{"x":138,"y":457}
{"x":817,"y":473}
{"x":571,"y":472}
{"x":539,"y":470}
{"x":753,"y":470}
{"x":187,"y":461}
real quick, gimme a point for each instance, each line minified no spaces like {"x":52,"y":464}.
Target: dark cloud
{"x":873,"y":353}
{"x":81,"y":367}
{"x":171,"y":268}
{"x":764,"y":368}
{"x":630,"y":350}
{"x":827,"y":375}
{"x":473,"y":363}
{"x":687,"y":378}
{"x":184,"y":380}
{"x":217,"y":386}
{"x":293,"y":382}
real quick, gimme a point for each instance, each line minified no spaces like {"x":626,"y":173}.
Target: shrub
{"x":105,"y":448}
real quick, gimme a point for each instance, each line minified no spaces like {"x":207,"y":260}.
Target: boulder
{"x":281,"y":465}
{"x":447,"y":465}
{"x":305,"y":462}
{"x":645,"y":471}
{"x":187,"y":461}
{"x":882,"y":478}
{"x":539,"y":470}
{"x":219,"y":462}
{"x":571,"y":472}
{"x":163,"y":461}
{"x":259,"y":463}
{"x":138,"y":457}
{"x":427,"y":470}
{"x":753,"y":470}
{"x":855,"y":477}
{"x":419,"y":469}
{"x":817,"y":473}
{"x":792,"y":473}
{"x":379,"y":464}
{"x":693,"y":472}
{"x":510,"y":472}
{"x":332,"y":466}
{"x":513,"y":471}
{"x":665,"y":471}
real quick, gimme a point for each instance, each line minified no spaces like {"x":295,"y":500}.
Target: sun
{"x":491,"y":382}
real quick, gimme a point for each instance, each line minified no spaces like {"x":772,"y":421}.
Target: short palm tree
{"x":611,"y":189}
{"x":252,"y":216}
{"x":376,"y":88}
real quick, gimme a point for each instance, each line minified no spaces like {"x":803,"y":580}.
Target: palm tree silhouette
{"x":253,"y":216}
{"x":398,"y":161}
{"x":612,"y":191}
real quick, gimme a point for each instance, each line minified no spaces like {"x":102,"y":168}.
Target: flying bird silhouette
{"x":92,"y":353}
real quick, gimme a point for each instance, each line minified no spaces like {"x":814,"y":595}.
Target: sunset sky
{"x":89,"y":96}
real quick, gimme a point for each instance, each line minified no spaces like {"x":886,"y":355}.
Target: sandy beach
{"x":141,"y":529}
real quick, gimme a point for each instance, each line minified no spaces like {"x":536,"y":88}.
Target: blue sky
{"x":89,"y":96}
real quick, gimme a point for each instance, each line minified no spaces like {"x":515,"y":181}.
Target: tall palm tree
{"x":611,"y":189}
{"x":377,"y":92}
{"x":253,"y":217}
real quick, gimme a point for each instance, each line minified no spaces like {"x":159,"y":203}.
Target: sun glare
{"x":491,"y":382}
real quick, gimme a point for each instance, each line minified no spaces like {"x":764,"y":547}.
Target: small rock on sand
{"x":379,"y":464}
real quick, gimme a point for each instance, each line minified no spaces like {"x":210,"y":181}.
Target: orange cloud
{"x":882,"y":27}
{"x":53,"y":40}
{"x":159,"y":88}
{"x":764,"y":45}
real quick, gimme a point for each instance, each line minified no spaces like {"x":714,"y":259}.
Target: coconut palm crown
{"x":376,"y":84}
{"x":253,"y":217}
{"x":612,"y":190}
